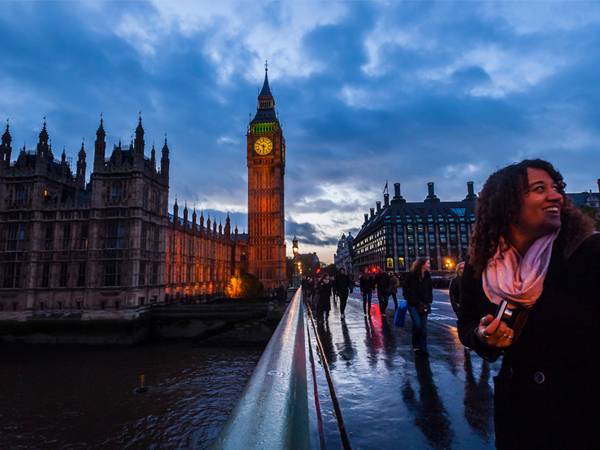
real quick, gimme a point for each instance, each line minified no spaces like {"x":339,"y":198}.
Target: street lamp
{"x":298,"y":264}
{"x":448,"y":263}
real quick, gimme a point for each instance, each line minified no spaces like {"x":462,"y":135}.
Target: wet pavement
{"x":391,"y":398}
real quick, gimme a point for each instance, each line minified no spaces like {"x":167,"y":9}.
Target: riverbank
{"x":230,"y":323}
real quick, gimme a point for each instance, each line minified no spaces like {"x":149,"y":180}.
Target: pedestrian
{"x":383,"y":287}
{"x":366,"y":290}
{"x":323,"y":298}
{"x":333,"y":293}
{"x":394,"y":285}
{"x":418,"y":292}
{"x":534,"y":249}
{"x":454,"y":289}
{"x":281,"y":294}
{"x":343,"y":287}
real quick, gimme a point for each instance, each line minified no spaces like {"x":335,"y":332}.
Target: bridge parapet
{"x":273,"y":410}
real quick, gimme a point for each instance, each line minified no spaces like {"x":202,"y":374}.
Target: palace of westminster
{"x":111,"y":242}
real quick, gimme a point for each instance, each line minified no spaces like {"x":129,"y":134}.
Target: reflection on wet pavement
{"x":391,"y":398}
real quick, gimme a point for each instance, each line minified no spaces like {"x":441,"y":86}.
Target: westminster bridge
{"x":356,"y":383}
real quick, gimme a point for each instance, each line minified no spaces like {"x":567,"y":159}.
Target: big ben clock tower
{"x":266,"y":169}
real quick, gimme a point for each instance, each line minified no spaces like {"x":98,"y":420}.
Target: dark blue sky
{"x":366,"y":92}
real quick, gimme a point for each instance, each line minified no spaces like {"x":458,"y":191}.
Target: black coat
{"x":382,"y":280}
{"x":454,"y":293}
{"x":366,"y":283}
{"x":343,"y":285}
{"x":418,"y":290}
{"x":324,"y":295}
{"x":548,"y":382}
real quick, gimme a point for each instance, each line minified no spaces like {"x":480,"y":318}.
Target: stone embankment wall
{"x":227,"y":323}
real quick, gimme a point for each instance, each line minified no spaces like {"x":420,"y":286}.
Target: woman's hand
{"x":493,"y":332}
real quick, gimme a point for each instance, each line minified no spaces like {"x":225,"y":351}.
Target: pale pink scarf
{"x":520,"y":280}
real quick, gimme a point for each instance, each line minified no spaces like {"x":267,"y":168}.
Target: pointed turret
{"x":153,"y":157}
{"x":99,"y":146}
{"x":175,"y":212}
{"x":265,"y":109}
{"x":201,"y":220}
{"x":194,"y":219}
{"x":81,"y":166}
{"x":63,"y":157}
{"x":164,"y":160}
{"x":220,"y":229}
{"x":43,"y":147}
{"x":139,"y":138}
{"x":227,"y":227}
{"x":5,"y":147}
{"x":185,"y":213}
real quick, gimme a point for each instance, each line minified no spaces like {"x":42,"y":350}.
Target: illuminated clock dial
{"x":263,"y":146}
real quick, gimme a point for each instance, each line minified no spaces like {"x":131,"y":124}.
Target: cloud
{"x":366,"y":92}
{"x":308,"y":233}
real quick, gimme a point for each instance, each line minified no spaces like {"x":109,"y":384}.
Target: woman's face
{"x":542,"y":203}
{"x":426,"y":266}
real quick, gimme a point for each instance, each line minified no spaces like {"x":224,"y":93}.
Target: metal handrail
{"x":273,"y":410}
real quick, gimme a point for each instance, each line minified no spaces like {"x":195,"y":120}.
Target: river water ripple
{"x":83,"y":397}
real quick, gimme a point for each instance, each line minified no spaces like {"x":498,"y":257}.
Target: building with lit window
{"x":394,"y":234}
{"x":111,"y":243}
{"x":343,"y":255}
{"x":108,"y":243}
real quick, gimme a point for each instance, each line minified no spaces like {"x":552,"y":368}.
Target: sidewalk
{"x":392,"y":399}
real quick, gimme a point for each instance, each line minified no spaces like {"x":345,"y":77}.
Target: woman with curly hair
{"x":533,"y":249}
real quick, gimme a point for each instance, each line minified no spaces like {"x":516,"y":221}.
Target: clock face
{"x":263,"y":146}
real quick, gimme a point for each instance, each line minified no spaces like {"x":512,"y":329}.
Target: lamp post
{"x":297,"y":263}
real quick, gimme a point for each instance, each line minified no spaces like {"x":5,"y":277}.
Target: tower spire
{"x":266,"y":89}
{"x":5,"y":147}
{"x":99,"y":145}
{"x":139,"y":137}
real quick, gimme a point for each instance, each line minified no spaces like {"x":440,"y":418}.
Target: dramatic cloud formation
{"x":366,"y":92}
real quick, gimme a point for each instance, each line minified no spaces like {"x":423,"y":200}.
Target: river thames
{"x":83,"y":397}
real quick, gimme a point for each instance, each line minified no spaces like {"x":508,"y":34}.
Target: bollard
{"x":142,"y":384}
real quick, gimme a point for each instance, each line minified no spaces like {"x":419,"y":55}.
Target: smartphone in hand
{"x":504,"y":313}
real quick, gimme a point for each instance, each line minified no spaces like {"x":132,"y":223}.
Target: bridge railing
{"x":273,"y":410}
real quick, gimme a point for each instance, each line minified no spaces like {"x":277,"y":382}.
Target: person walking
{"x":383,"y":286}
{"x":394,"y":285}
{"x":418,"y":292}
{"x":532,"y":248}
{"x":343,"y":287}
{"x":366,"y":290}
{"x":323,"y":298}
{"x":454,"y":289}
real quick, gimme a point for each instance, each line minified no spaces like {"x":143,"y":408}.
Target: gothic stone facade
{"x":109,"y":243}
{"x":266,"y":170}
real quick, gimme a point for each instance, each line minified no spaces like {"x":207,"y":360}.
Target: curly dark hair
{"x":499,"y":206}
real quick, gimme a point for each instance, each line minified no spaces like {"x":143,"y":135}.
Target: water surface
{"x":83,"y":397}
